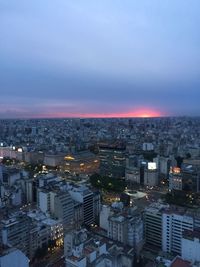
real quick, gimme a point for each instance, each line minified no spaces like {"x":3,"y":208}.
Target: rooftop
{"x":179,"y":262}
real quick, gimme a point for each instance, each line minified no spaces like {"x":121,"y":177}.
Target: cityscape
{"x":99,"y":133}
{"x":100,"y":192}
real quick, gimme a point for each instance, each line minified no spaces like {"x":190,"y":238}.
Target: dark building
{"x":191,"y":179}
{"x":112,"y":160}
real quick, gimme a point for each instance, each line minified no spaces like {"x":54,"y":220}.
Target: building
{"x":78,"y":215}
{"x":175,"y":179}
{"x":63,"y":207}
{"x":90,"y":201}
{"x":118,"y":228}
{"x":147,"y":147}
{"x":57,"y":203}
{"x":38,"y":238}
{"x":55,"y":230}
{"x":10,"y":176}
{"x":174,"y":223}
{"x":12,"y":257}
{"x":15,"y":232}
{"x":179,"y":262}
{"x":187,"y":178}
{"x":81,"y":250}
{"x":104,"y":215}
{"x":44,"y":232}
{"x":82,"y":162}
{"x":112,"y":160}
{"x":53,"y":160}
{"x":126,"y":229}
{"x":151,"y":176}
{"x":132,"y":175}
{"x":165,"y":225}
{"x":153,"y":225}
{"x":190,"y":178}
{"x":191,"y":246}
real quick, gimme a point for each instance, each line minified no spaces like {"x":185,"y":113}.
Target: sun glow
{"x":136,"y":113}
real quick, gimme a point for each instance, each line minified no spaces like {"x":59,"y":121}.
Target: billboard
{"x":151,"y":165}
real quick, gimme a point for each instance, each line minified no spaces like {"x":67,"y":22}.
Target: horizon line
{"x":98,"y":117}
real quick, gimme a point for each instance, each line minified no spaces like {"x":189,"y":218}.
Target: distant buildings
{"x":46,"y":195}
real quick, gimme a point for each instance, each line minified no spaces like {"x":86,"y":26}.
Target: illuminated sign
{"x":151,"y":165}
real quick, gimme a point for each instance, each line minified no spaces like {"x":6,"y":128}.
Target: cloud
{"x":99,"y":53}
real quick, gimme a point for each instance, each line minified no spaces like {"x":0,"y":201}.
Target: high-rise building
{"x":57,"y":203}
{"x":173,"y":226}
{"x":151,"y":175}
{"x":153,"y":225}
{"x":112,"y":160}
{"x":90,"y":201}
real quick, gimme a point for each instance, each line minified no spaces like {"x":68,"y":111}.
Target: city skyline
{"x":102,"y":59}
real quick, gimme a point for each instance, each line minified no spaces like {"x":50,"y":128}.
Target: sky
{"x":102,"y":58}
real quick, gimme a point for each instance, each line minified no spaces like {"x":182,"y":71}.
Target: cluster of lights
{"x":176,"y":170}
{"x":69,"y":158}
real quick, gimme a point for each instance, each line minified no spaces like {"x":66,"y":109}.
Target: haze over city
{"x":99,"y":58}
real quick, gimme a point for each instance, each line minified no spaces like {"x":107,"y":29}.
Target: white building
{"x":174,"y":223}
{"x":127,"y":230}
{"x":57,"y":203}
{"x":191,"y":246}
{"x":118,"y":228}
{"x":104,"y":214}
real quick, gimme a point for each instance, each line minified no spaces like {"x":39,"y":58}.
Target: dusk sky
{"x":99,"y":58}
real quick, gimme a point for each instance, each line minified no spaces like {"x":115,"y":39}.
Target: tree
{"x":107,"y":183}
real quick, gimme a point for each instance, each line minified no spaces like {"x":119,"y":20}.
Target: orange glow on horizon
{"x":140,"y":113}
